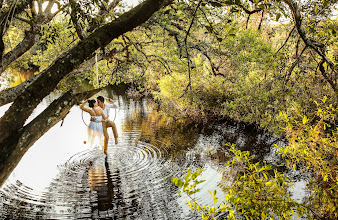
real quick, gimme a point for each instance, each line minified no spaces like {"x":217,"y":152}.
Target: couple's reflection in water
{"x":105,"y":185}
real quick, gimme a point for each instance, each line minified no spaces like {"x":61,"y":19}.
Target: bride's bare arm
{"x":82,"y":106}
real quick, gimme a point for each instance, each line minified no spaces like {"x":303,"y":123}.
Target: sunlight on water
{"x":59,"y":172}
{"x":60,"y":177}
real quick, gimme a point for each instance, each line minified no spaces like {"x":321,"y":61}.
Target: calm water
{"x":60,"y":177}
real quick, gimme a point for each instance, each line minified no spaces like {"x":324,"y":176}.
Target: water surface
{"x":60,"y":177}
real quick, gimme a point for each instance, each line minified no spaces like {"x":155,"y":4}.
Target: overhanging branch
{"x":24,"y":105}
{"x":15,"y":146}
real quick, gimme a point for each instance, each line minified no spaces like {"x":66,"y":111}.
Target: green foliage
{"x":54,"y":38}
{"x":313,"y":145}
{"x":189,"y":183}
{"x":49,"y":34}
{"x":245,"y":92}
{"x":258,"y":192}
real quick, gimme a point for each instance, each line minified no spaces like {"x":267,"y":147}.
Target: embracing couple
{"x":99,"y":122}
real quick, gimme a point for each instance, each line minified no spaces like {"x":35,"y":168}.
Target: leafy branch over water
{"x":254,"y":194}
{"x":260,"y":191}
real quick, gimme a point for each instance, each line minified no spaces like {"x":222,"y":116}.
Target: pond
{"x":60,"y":177}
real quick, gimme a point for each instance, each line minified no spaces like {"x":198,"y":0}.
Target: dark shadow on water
{"x":133,"y":183}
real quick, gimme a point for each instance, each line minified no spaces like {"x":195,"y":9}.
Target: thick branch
{"x":48,"y":9}
{"x":24,"y":105}
{"x":297,"y":17}
{"x":17,"y":144}
{"x":10,"y":94}
{"x":26,"y":44}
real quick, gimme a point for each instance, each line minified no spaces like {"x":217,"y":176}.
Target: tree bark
{"x":6,"y":15}
{"x":23,"y":106}
{"x":26,"y":44}
{"x":10,"y":94}
{"x":15,"y":146}
{"x":315,"y":45}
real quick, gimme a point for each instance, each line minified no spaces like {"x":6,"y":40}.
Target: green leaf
{"x":278,"y":16}
{"x":264,"y":174}
{"x":173,"y":180}
{"x":209,"y":28}
{"x":216,"y":4}
{"x":305,"y":120}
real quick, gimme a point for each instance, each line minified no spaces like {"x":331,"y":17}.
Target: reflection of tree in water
{"x":175,"y":139}
{"x":246,"y":138}
{"x":158,"y":130}
{"x":14,"y":203}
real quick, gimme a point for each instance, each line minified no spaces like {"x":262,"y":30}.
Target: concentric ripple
{"x":131,"y":184}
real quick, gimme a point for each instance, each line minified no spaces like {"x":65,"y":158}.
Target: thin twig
{"x":247,"y":21}
{"x":285,"y":40}
{"x":295,"y":63}
{"x":186,"y":48}
{"x":260,"y":23}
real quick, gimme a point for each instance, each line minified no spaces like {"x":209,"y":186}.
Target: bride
{"x":95,"y":126}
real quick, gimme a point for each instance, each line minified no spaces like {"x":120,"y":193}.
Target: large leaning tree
{"x":16,"y":137}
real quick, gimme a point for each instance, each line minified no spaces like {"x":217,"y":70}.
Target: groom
{"x":107,"y":123}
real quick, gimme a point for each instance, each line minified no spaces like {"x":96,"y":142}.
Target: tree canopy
{"x":251,"y":60}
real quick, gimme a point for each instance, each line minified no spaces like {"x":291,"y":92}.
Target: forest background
{"x":272,"y":64}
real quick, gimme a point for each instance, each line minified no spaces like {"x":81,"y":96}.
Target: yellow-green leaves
{"x":213,"y":195}
{"x":305,"y":120}
{"x":278,"y":16}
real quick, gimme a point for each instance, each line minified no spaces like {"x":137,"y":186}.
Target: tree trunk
{"x":6,"y":15}
{"x":23,"y":106}
{"x":15,"y":146}
{"x":26,"y":44}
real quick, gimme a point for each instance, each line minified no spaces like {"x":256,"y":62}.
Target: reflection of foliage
{"x":260,"y":191}
{"x":255,"y":194}
{"x":160,"y":130}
